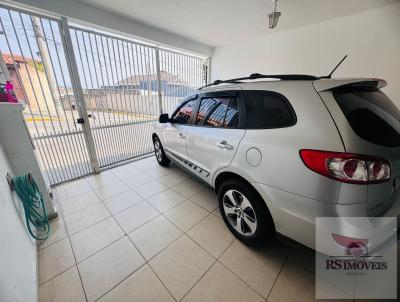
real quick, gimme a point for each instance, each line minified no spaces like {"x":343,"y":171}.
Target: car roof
{"x":320,"y":84}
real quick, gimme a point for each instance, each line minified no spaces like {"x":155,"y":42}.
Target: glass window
{"x":207,"y":106}
{"x":182,"y":115}
{"x":232,"y":115}
{"x":265,"y":109}
{"x":218,"y":112}
{"x":370,"y":114}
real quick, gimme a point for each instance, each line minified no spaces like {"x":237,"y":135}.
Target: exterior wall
{"x":37,"y":88}
{"x":18,"y":261}
{"x":371,"y":39}
{"x":123,"y":101}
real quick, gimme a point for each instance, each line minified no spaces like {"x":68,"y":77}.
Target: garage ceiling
{"x":220,"y":22}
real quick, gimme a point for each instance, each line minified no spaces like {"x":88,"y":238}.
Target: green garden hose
{"x":35,"y":212}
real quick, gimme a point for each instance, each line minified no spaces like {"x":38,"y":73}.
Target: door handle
{"x":224,"y":145}
{"x":181,"y":135}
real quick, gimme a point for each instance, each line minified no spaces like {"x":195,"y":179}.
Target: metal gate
{"x":33,"y":49}
{"x":91,"y":98}
{"x":127,"y":85}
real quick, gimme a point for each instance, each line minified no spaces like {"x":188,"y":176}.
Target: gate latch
{"x":80,"y":120}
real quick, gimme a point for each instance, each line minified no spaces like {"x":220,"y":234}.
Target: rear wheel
{"x":245,"y":213}
{"x":159,"y":152}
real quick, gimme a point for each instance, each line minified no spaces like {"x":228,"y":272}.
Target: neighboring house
{"x":30,"y":82}
{"x":171,"y":85}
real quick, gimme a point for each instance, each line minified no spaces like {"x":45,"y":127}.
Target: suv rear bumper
{"x":295,"y":216}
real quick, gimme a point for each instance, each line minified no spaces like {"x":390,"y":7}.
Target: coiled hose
{"x":32,"y":201}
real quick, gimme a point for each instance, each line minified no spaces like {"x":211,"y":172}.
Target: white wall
{"x":18,"y":253}
{"x":371,"y":39}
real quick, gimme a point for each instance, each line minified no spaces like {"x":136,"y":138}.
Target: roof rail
{"x":255,"y":76}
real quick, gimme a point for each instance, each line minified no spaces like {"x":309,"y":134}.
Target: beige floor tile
{"x":181,"y":265}
{"x":57,"y":232}
{"x":135,"y":216}
{"x":84,"y":218}
{"x":159,"y":172}
{"x":150,"y":188}
{"x":154,"y":236}
{"x":294,"y":283}
{"x":111,"y":189}
{"x":126,"y":171}
{"x":258,"y":267}
{"x":79,"y":202}
{"x":66,"y":287}
{"x":104,"y":270}
{"x":212,"y":234}
{"x":303,"y":256}
{"x":143,"y":286}
{"x":189,"y":187}
{"x":101,"y":179}
{"x":220,"y":285}
{"x":71,"y":189}
{"x":206,"y":199}
{"x":186,"y":214}
{"x":217,"y":213}
{"x":95,"y":238}
{"x":138,"y":180}
{"x":122,"y":201}
{"x":165,"y":200}
{"x":146,"y":164}
{"x":173,"y":178}
{"x":54,"y":260}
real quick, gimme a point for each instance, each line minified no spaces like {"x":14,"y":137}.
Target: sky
{"x":102,"y":60}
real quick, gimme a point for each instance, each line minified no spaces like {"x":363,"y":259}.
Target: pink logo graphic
{"x":354,"y":246}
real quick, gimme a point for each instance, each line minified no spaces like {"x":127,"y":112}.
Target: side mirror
{"x":164,"y":118}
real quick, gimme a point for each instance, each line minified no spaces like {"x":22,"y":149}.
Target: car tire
{"x":160,"y":153}
{"x":245,"y":212}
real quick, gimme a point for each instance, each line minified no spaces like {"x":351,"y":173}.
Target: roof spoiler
{"x":256,"y":76}
{"x":324,"y":85}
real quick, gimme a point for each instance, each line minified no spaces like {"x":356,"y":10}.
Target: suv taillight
{"x":347,"y":167}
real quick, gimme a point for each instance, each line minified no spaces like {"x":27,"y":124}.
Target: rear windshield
{"x":371,"y":114}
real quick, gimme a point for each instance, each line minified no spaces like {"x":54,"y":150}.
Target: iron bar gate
{"x":27,"y":41}
{"x":91,"y":97}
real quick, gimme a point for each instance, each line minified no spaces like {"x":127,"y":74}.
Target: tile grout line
{"x":77,"y":268}
{"x":148,"y":263}
{"x":244,"y":281}
{"x":127,"y":234}
{"x":52,"y":243}
{"x":202,"y":276}
{"x":75,"y":264}
{"x":277,"y":276}
{"x":125,"y":278}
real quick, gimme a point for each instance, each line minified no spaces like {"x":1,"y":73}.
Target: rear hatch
{"x":369,"y":123}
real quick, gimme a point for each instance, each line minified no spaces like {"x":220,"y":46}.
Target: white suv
{"x":281,"y":153}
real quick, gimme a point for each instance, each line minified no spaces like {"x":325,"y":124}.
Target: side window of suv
{"x":183,"y":113}
{"x":218,"y":112}
{"x":266,"y":109}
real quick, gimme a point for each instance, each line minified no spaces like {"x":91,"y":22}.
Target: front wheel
{"x":159,"y":152}
{"x":245,"y":213}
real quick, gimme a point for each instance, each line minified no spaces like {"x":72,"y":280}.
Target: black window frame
{"x":275,"y":94}
{"x":219,"y":94}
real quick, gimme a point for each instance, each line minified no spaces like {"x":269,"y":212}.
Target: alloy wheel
{"x":240,"y":213}
{"x":158,"y":151}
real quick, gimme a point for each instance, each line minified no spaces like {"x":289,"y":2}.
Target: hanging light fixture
{"x":273,"y":17}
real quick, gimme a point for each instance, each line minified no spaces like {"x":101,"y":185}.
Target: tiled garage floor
{"x":140,"y":232}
